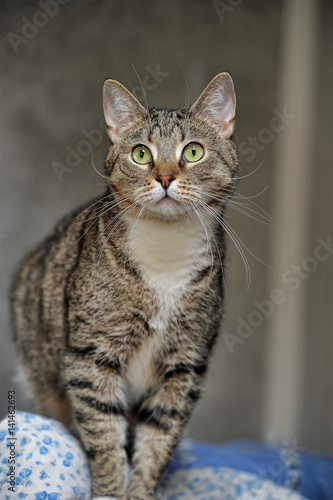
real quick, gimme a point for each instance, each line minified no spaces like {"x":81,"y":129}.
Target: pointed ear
{"x":121,"y":109}
{"x":217,"y":104}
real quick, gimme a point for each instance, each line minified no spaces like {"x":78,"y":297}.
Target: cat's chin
{"x":169,"y":207}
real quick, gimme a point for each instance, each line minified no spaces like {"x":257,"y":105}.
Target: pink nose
{"x":165,"y":180}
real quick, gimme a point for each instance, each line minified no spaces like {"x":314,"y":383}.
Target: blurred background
{"x":271,"y":376}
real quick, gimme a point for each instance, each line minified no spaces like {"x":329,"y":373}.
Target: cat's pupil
{"x":142,"y":153}
{"x":193,"y":151}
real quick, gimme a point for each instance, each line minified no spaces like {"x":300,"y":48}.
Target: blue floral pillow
{"x":42,"y":460}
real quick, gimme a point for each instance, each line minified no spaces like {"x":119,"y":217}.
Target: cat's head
{"x":167,"y":163}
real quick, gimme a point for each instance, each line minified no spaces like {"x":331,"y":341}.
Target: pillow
{"x":48,"y":461}
{"x":43,"y":461}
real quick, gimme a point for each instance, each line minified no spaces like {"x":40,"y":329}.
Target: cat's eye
{"x":142,"y":155}
{"x":193,"y":152}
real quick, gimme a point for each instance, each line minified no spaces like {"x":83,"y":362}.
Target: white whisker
{"x":98,"y":215}
{"x":263,"y":217}
{"x":94,"y":167}
{"x":219,"y":255}
{"x":109,"y":205}
{"x":208,"y":240}
{"x":126,"y":212}
{"x":253,"y":171}
{"x":233,"y":237}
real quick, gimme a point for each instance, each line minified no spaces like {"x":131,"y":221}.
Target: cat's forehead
{"x":166,"y":124}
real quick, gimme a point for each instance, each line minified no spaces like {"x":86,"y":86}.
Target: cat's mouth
{"x":168,"y":205}
{"x":167,"y":196}
{"x":168,"y":200}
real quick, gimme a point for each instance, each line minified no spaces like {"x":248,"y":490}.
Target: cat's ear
{"x":121,"y":109}
{"x":217,"y":104}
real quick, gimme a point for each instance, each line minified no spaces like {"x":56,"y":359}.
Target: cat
{"x":117,"y":312}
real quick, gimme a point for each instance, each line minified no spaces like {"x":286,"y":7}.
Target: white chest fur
{"x":169,"y":255}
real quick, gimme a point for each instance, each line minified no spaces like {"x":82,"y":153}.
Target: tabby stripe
{"x":131,"y":269}
{"x":129,"y":448}
{"x":82,"y":351}
{"x":225,"y":161}
{"x":194,"y":394}
{"x":172,"y":350}
{"x":178,"y":370}
{"x":91,"y":431}
{"x":200,"y":369}
{"x":118,"y":255}
{"x":80,"y":319}
{"x":147,"y":417}
{"x":112,"y":244}
{"x":202,"y":274}
{"x":126,"y":173}
{"x":80,"y":384}
{"x":48,"y":246}
{"x":211,"y":342}
{"x":79,"y":417}
{"x":169,"y":412}
{"x":66,"y":294}
{"x":141,"y":319}
{"x":103,"y":407}
{"x":113,"y":364}
{"x":184,"y":368}
{"x":91,"y":454}
{"x":150,"y":134}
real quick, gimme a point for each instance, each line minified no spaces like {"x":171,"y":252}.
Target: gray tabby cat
{"x":117,"y":312}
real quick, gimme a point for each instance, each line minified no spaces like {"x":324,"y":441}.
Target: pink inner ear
{"x":112,"y":118}
{"x":227,"y":116}
{"x":116,"y":113}
{"x":227,"y":128}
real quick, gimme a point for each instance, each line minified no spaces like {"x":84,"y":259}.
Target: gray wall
{"x":51,"y":93}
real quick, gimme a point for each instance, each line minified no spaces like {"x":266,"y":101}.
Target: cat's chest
{"x":168,"y":257}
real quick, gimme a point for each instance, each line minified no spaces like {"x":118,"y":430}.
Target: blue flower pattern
{"x":46,"y":455}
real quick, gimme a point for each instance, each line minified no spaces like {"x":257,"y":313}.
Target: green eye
{"x":193,"y":152}
{"x":141,"y":155}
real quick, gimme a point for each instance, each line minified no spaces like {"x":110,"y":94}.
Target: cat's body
{"x":116,"y":314}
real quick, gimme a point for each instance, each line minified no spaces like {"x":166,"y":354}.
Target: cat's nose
{"x":165,"y":180}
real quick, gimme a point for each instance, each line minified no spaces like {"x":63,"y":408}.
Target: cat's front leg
{"x":161,"y":420}
{"x":99,"y":409}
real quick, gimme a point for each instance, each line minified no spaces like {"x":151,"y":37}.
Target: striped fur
{"x":116,"y":314}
